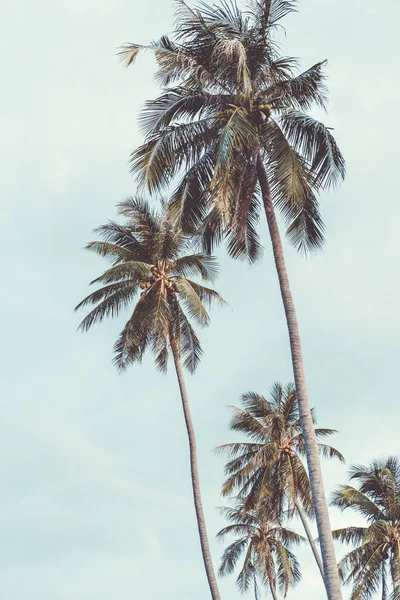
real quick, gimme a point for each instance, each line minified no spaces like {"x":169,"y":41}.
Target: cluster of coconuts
{"x":156,"y":275}
{"x":265,"y":109}
{"x":288,"y":450}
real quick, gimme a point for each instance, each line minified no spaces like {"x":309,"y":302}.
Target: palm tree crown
{"x":232,"y":103}
{"x":151,"y":254}
{"x":376,"y":557}
{"x":266,"y":547}
{"x":270,"y":467}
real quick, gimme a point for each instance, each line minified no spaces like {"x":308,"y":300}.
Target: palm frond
{"x":107,"y":291}
{"x":191,"y":351}
{"x":115,"y":252}
{"x":246,"y":574}
{"x":111,"y":306}
{"x":231,"y":555}
{"x":330,"y":452}
{"x":178,"y":104}
{"x":349,"y":535}
{"x":192,"y":301}
{"x":196,"y":264}
{"x":349,"y":497}
{"x":130,"y":270}
{"x":291,"y":190}
{"x":162,"y":155}
{"x":300,"y":92}
{"x":129,"y":52}
{"x":317,"y":145}
{"x":208,"y":296}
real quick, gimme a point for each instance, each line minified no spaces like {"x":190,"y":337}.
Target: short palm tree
{"x":265,"y":545}
{"x":151,"y":254}
{"x":376,"y":558}
{"x":234,"y":116}
{"x":269,"y":469}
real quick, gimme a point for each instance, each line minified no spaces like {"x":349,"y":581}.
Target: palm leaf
{"x":317,"y":145}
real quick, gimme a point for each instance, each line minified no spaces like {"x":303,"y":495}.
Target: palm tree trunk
{"x":201,"y":524}
{"x":332,"y":582}
{"x":384,"y":584}
{"x":310,"y":538}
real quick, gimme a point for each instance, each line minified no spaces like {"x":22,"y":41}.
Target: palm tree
{"x":269,"y":469}
{"x":266,"y":548}
{"x":376,"y":557}
{"x":232,"y":117}
{"x":150,"y":253}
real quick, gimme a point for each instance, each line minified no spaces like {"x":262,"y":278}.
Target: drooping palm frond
{"x":300,"y":92}
{"x":292,"y":189}
{"x":163,"y":154}
{"x":316,"y":145}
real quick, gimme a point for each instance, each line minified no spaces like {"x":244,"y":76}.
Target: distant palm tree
{"x":266,"y":548}
{"x":269,"y":469}
{"x":376,"y":558}
{"x":234,"y":116}
{"x":150,"y":253}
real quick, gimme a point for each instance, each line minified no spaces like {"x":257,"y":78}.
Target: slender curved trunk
{"x":201,"y":524}
{"x":384,"y":583}
{"x":331,"y":577}
{"x":310,"y":538}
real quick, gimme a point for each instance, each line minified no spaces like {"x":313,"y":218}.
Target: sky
{"x":96,"y":499}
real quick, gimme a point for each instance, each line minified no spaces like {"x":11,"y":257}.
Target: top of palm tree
{"x":149,"y":252}
{"x":378,"y":493}
{"x":377,"y":551}
{"x":232,"y":99}
{"x":269,"y":467}
{"x":266,"y":546}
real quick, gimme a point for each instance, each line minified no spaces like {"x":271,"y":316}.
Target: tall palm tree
{"x":376,"y":558}
{"x":266,"y":547}
{"x":232,"y":117}
{"x":269,"y":469}
{"x":151,"y":253}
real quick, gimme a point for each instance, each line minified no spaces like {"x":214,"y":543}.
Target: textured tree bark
{"x":201,"y":524}
{"x":331,"y":574}
{"x":314,"y":549}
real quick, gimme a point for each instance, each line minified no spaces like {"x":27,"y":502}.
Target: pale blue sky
{"x":96,"y":499}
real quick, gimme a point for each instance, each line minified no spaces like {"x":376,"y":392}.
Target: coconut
{"x":142,"y":285}
{"x":266,"y":109}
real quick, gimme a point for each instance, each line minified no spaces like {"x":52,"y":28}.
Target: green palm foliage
{"x":148,"y":254}
{"x":232,"y":104}
{"x":375,"y":560}
{"x":269,"y":469}
{"x":266,"y":550}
